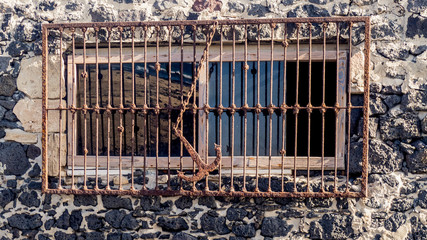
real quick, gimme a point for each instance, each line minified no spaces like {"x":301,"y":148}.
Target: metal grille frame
{"x":210,"y":24}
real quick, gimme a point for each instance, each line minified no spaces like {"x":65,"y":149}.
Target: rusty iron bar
{"x":133,"y":105}
{"x":195,"y":110}
{"x":242,"y":108}
{"x":97,"y":107}
{"x":170,"y":103}
{"x":206,"y":106}
{"x":181,"y":146}
{"x":157,"y":109}
{"x":144,"y":187}
{"x":245,"y":105}
{"x":203,"y":166}
{"x":120,"y":128}
{"x":200,"y":193}
{"x":211,"y":109}
{"x":270,"y":107}
{"x":309,"y":107}
{"x":60,"y":111}
{"x":220,"y":110}
{"x":258,"y":110}
{"x":73,"y":113}
{"x":296,"y":110}
{"x":233,"y":106}
{"x":108,"y":110}
{"x":84,"y":112}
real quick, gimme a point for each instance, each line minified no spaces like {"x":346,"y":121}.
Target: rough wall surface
{"x":397,"y":204}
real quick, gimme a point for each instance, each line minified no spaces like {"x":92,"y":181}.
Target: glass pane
{"x":264,"y":98}
{"x":156,"y":128}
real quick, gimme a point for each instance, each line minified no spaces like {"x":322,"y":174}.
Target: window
{"x":127,"y":85}
{"x":192,"y":122}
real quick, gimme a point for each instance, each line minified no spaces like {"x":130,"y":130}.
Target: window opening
{"x":218,"y":108}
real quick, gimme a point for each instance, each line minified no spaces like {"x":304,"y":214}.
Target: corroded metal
{"x":152,"y":34}
{"x":204,"y":168}
{"x":199,"y":193}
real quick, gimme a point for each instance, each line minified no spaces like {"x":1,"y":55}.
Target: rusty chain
{"x":204,"y":168}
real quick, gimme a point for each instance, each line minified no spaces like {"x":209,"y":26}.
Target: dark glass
{"x":277,"y":99}
{"x":151,"y":121}
{"x":252,"y":95}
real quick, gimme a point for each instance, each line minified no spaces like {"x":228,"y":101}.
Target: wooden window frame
{"x":265,"y":55}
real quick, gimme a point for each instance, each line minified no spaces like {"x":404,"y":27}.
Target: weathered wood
{"x":265,"y":54}
{"x":315,"y":162}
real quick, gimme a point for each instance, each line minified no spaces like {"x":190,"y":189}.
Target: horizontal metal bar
{"x":197,"y":193}
{"x":212,"y":109}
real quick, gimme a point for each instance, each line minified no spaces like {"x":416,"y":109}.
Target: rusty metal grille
{"x":206,"y":108}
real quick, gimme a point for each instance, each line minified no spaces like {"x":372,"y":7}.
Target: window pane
{"x":262,"y":96}
{"x":151,"y":124}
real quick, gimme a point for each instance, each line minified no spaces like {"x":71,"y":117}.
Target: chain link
{"x":204,"y":168}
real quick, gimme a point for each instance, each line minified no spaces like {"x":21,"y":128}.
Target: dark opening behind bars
{"x":155,"y":105}
{"x":330,"y":74}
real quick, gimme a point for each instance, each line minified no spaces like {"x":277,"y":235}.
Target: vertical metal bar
{"x":296,"y":111}
{"x":232,"y":112}
{"x":207,"y":108}
{"x":349,"y":105}
{"x":145,"y":108}
{"x":60,"y":111}
{"x":169,"y":104}
{"x":157,"y":106}
{"x":121,"y":128}
{"x":220,"y":104}
{"x":336,"y":108}
{"x":283,"y":151}
{"x":73,"y":107}
{"x":181,"y":147}
{"x":132,"y":187}
{"x":97,"y":108}
{"x":195,"y":111}
{"x":258,"y":107}
{"x":245,"y":105}
{"x":309,"y":108}
{"x":323,"y":109}
{"x":45,"y":60}
{"x":271,"y":107}
{"x":364,"y":184}
{"x":84,"y":75}
{"x":109,"y":113}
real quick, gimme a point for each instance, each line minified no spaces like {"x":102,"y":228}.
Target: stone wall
{"x":397,"y":204}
